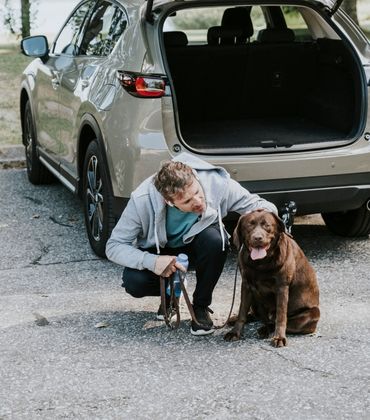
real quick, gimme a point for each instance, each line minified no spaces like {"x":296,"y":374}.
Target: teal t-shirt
{"x":178,"y":223}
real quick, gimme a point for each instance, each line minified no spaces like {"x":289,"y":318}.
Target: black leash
{"x":232,"y":302}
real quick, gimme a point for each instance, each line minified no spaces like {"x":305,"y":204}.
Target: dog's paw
{"x":278,"y":341}
{"x":232,"y":336}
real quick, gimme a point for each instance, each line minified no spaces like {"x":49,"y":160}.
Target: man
{"x":179,"y":210}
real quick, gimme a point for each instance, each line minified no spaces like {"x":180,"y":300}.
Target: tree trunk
{"x":25,"y":16}
{"x":350,"y":7}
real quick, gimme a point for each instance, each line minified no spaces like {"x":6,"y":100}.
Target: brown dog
{"x":278,"y":282}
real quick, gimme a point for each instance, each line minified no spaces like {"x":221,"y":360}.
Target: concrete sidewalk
{"x":12,"y":156}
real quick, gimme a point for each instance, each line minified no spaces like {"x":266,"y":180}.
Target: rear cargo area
{"x":264,"y":95}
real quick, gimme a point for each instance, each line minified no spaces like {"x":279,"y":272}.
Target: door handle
{"x":55,"y":80}
{"x":85,"y":83}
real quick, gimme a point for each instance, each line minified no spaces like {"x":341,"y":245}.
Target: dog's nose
{"x":257,"y":237}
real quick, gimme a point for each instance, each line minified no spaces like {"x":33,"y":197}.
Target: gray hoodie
{"x":143,"y":222}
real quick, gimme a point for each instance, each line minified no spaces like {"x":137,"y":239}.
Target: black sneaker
{"x":160,"y":312}
{"x":205,"y":321}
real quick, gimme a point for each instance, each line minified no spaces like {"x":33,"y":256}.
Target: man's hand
{"x":166,"y":265}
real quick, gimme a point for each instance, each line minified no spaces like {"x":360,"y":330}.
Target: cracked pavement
{"x":74,"y":345}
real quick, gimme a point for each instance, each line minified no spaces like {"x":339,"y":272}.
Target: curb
{"x":12,"y":156}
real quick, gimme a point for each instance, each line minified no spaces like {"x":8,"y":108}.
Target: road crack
{"x":68,"y":262}
{"x":53,"y":219}
{"x":299,"y":365}
{"x":44,"y":251}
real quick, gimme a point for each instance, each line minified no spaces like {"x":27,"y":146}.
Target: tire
{"x":352,"y":223}
{"x":37,"y":173}
{"x":97,"y":199}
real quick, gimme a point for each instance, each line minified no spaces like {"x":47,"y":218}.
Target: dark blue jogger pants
{"x":205,"y":256}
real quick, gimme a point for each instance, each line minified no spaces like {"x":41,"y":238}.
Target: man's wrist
{"x":149,"y":261}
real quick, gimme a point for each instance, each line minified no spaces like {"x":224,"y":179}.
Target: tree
{"x":350,"y":7}
{"x":25,"y":18}
{"x":22,"y":26}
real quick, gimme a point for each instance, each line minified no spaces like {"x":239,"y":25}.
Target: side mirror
{"x":35,"y":46}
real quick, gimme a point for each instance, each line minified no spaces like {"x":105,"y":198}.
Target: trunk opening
{"x":273,"y":93}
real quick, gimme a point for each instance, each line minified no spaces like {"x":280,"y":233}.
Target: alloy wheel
{"x":95,"y":199}
{"x":29,"y":140}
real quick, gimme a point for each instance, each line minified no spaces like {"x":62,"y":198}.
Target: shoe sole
{"x":161,"y":317}
{"x":201,"y":332}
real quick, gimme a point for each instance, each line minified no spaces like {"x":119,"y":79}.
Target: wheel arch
{"x":24,"y":98}
{"x":89,"y":131}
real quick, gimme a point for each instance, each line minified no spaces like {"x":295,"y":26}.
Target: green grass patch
{"x":12,"y":64}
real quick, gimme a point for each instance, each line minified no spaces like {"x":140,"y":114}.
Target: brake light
{"x":142,"y":85}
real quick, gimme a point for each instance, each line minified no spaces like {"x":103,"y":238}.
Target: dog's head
{"x":258,"y":231}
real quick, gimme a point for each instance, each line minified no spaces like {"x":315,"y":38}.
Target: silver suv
{"x":277,"y":93}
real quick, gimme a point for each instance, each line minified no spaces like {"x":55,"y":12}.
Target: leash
{"x":218,"y":327}
{"x":174,"y":303}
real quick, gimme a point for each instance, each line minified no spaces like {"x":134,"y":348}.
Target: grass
{"x":12,"y":63}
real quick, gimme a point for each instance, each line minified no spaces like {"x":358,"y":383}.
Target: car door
{"x":100,"y":34}
{"x":49,"y":80}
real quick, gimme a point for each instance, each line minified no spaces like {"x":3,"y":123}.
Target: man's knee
{"x":133,"y":290}
{"x":132,"y":283}
{"x":139,"y":283}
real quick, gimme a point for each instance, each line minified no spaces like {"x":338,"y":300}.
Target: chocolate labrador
{"x":278,"y":283}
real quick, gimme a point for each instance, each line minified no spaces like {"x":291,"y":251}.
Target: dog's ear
{"x":280,"y":224}
{"x":237,"y":236}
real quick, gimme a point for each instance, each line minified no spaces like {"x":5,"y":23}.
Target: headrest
{"x":218,"y":35}
{"x":239,"y":17}
{"x":175,"y":39}
{"x":271,"y":35}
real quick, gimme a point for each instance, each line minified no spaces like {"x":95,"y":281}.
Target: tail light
{"x":143,"y":85}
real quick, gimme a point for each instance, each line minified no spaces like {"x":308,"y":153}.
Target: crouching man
{"x":179,"y":210}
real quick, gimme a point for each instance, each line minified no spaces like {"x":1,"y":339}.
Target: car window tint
{"x":106,"y":25}
{"x":66,"y":42}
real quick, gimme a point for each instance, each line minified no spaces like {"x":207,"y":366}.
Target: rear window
{"x":196,"y":22}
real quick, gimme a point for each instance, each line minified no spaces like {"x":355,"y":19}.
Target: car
{"x":276,"y":93}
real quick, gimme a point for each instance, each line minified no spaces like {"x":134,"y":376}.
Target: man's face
{"x":191,"y":199}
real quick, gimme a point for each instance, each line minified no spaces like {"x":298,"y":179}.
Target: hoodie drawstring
{"x":221,"y":228}
{"x":156,"y":237}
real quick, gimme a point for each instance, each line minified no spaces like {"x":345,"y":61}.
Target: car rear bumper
{"x":316,"y":194}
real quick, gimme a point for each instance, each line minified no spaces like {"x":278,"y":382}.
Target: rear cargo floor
{"x":257,"y":132}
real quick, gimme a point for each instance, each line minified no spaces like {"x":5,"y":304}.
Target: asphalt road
{"x":56,"y":363}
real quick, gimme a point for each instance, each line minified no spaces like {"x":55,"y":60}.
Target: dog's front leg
{"x":245,"y":304}
{"x":282,"y":296}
